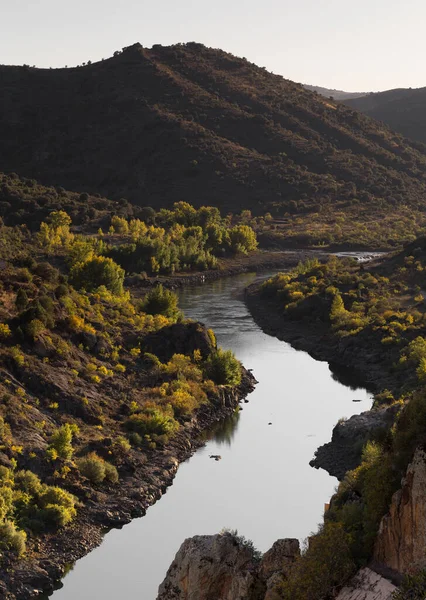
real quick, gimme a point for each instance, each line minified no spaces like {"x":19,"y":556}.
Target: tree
{"x":242,"y":239}
{"x":160,"y":301}
{"x":21,"y":301}
{"x":96,"y":272}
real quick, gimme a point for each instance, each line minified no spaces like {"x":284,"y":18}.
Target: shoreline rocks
{"x":39,"y":573}
{"x":343,"y":453}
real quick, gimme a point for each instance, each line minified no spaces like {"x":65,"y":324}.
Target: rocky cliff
{"x":225,"y":566}
{"x":401,"y":542}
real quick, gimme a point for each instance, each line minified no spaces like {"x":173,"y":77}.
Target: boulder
{"x":367,"y":585}
{"x":343,"y":453}
{"x":212,"y":567}
{"x":181,"y":338}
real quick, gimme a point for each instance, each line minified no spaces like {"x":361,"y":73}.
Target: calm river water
{"x":263,"y":486}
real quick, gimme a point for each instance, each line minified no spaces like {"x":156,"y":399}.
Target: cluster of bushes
{"x":382,"y":227}
{"x":27,"y":504}
{"x":185,"y":238}
{"x":382,"y":307}
{"x":188,"y":381}
{"x":66,"y":332}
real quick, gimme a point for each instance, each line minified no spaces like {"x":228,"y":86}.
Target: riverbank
{"x":149,"y":477}
{"x":257,"y":261}
{"x":348,"y":361}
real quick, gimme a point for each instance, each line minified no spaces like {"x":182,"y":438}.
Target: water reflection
{"x":224,"y":432}
{"x":263,"y":486}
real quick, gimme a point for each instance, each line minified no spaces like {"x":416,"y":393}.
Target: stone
{"x":276,"y":564}
{"x":212,"y":567}
{"x":401,"y":541}
{"x":367,"y":585}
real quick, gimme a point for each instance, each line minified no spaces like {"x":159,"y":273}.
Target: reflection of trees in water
{"x":223,"y":432}
{"x":347,"y":376}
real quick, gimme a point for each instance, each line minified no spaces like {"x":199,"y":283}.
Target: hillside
{"x":104,"y":390}
{"x":336,"y":94}
{"x":187,"y":122}
{"x":402,"y":109}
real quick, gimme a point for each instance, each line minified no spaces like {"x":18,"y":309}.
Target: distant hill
{"x":187,"y":122}
{"x":336,"y":94}
{"x":404,"y":110}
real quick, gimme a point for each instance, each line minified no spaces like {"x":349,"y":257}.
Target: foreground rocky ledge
{"x":38,"y":573}
{"x":225,"y":567}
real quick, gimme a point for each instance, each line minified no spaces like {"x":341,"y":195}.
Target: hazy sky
{"x":356,"y":45}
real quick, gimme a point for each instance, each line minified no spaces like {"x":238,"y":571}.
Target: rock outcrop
{"x":401,"y":542}
{"x":225,"y":567}
{"x":343,"y":453}
{"x":367,"y":585}
{"x":276,"y":564}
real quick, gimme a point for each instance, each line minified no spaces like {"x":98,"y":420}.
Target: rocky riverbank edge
{"x":349,"y":364}
{"x":39,"y":573}
{"x":258,"y":261}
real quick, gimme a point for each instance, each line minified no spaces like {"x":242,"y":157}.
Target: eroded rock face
{"x":209,"y":567}
{"x":367,"y":585}
{"x":276,"y":564}
{"x":219,"y":567}
{"x":401,"y":542}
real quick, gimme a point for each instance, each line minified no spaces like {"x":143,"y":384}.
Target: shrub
{"x":325,"y":566}
{"x":4,"y":331}
{"x":160,"y":301}
{"x":61,"y":440}
{"x":223,"y":368}
{"x":152,"y":421}
{"x":413,"y":587}
{"x":111,"y":473}
{"x":92,"y":467}
{"x":96,"y":272}
{"x":96,"y":469}
{"x":11,"y":538}
{"x":21,"y":301}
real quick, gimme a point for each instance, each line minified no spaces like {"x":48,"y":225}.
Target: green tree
{"x":161,"y":301}
{"x":242,"y":239}
{"x":96,"y":272}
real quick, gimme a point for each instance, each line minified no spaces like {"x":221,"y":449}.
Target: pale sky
{"x":361,"y":45}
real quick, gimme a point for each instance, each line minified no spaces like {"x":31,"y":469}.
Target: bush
{"x":111,"y":473}
{"x":61,"y":440}
{"x":413,"y":588}
{"x":324,"y":567}
{"x":160,"y":301}
{"x":152,"y":421}
{"x":11,"y":538}
{"x":96,"y":469}
{"x":223,"y":368}
{"x":96,"y":272}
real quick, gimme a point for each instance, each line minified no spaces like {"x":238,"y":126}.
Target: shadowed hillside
{"x":336,"y":94}
{"x":404,"y":110}
{"x":186,"y":122}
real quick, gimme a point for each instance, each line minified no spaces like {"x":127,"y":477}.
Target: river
{"x":263,"y":486}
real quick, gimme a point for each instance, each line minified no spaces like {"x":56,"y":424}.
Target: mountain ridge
{"x":192,"y":123}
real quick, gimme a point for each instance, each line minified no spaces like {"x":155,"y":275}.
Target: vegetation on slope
{"x":403,"y":110}
{"x":84,"y":396}
{"x":380,"y":311}
{"x":191,"y":123}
